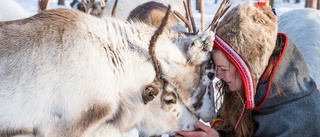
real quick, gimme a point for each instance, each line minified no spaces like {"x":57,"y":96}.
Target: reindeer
{"x":160,"y":8}
{"x":67,"y":73}
{"x":152,"y":12}
{"x":148,"y":11}
{"x":122,"y":8}
{"x":303,"y":28}
{"x":106,"y":8}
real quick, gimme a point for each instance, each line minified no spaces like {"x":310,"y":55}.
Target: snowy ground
{"x":210,"y":7}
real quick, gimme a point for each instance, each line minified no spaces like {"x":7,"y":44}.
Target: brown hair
{"x":232,"y":105}
{"x":231,"y":111}
{"x":233,"y":102}
{"x":252,"y":32}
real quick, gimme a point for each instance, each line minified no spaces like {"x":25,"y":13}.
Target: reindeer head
{"x":193,"y":80}
{"x":89,"y":6}
{"x":194,"y":83}
{"x":165,"y":113}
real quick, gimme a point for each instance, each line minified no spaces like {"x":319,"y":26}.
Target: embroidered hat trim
{"x":241,"y":67}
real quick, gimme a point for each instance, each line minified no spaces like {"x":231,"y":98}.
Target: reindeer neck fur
{"x":133,"y":42}
{"x":117,"y":41}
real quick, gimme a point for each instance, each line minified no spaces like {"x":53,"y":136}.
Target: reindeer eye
{"x":169,"y":98}
{"x":192,"y":44}
{"x":169,"y":101}
{"x":210,"y":75}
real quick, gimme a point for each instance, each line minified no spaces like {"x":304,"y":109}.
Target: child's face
{"x":227,"y":71}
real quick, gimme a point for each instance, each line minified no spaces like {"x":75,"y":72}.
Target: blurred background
{"x":203,"y":10}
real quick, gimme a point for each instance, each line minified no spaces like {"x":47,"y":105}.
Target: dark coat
{"x":296,"y":111}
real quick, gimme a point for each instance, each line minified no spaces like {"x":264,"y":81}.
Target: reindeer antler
{"x":184,"y":20}
{"x":194,"y":30}
{"x":192,"y":26}
{"x":152,"y":45}
{"x":43,"y":5}
{"x":113,"y":13}
{"x":224,"y":6}
{"x":152,"y":89}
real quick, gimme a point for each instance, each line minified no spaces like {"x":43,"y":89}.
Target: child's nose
{"x":219,"y":74}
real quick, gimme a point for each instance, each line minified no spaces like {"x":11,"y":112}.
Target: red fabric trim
{"x":274,"y":70}
{"x":268,"y":70}
{"x":216,"y":122}
{"x":261,"y":3}
{"x":246,"y":78}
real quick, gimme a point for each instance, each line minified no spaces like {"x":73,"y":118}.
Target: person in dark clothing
{"x":265,"y":86}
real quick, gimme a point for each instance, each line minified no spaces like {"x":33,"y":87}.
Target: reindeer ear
{"x":103,"y":3}
{"x":81,"y":7}
{"x":149,"y":93}
{"x":200,"y":48}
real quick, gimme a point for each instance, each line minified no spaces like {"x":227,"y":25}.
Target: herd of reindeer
{"x":122,"y":68}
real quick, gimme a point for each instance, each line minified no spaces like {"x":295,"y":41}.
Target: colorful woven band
{"x":241,"y":67}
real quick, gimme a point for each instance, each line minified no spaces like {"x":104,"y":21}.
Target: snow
{"x":31,"y":7}
{"x":211,"y":8}
{"x":15,"y":10}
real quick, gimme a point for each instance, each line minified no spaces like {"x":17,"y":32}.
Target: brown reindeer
{"x":152,"y":12}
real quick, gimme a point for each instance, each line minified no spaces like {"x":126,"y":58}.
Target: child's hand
{"x":206,"y":131}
